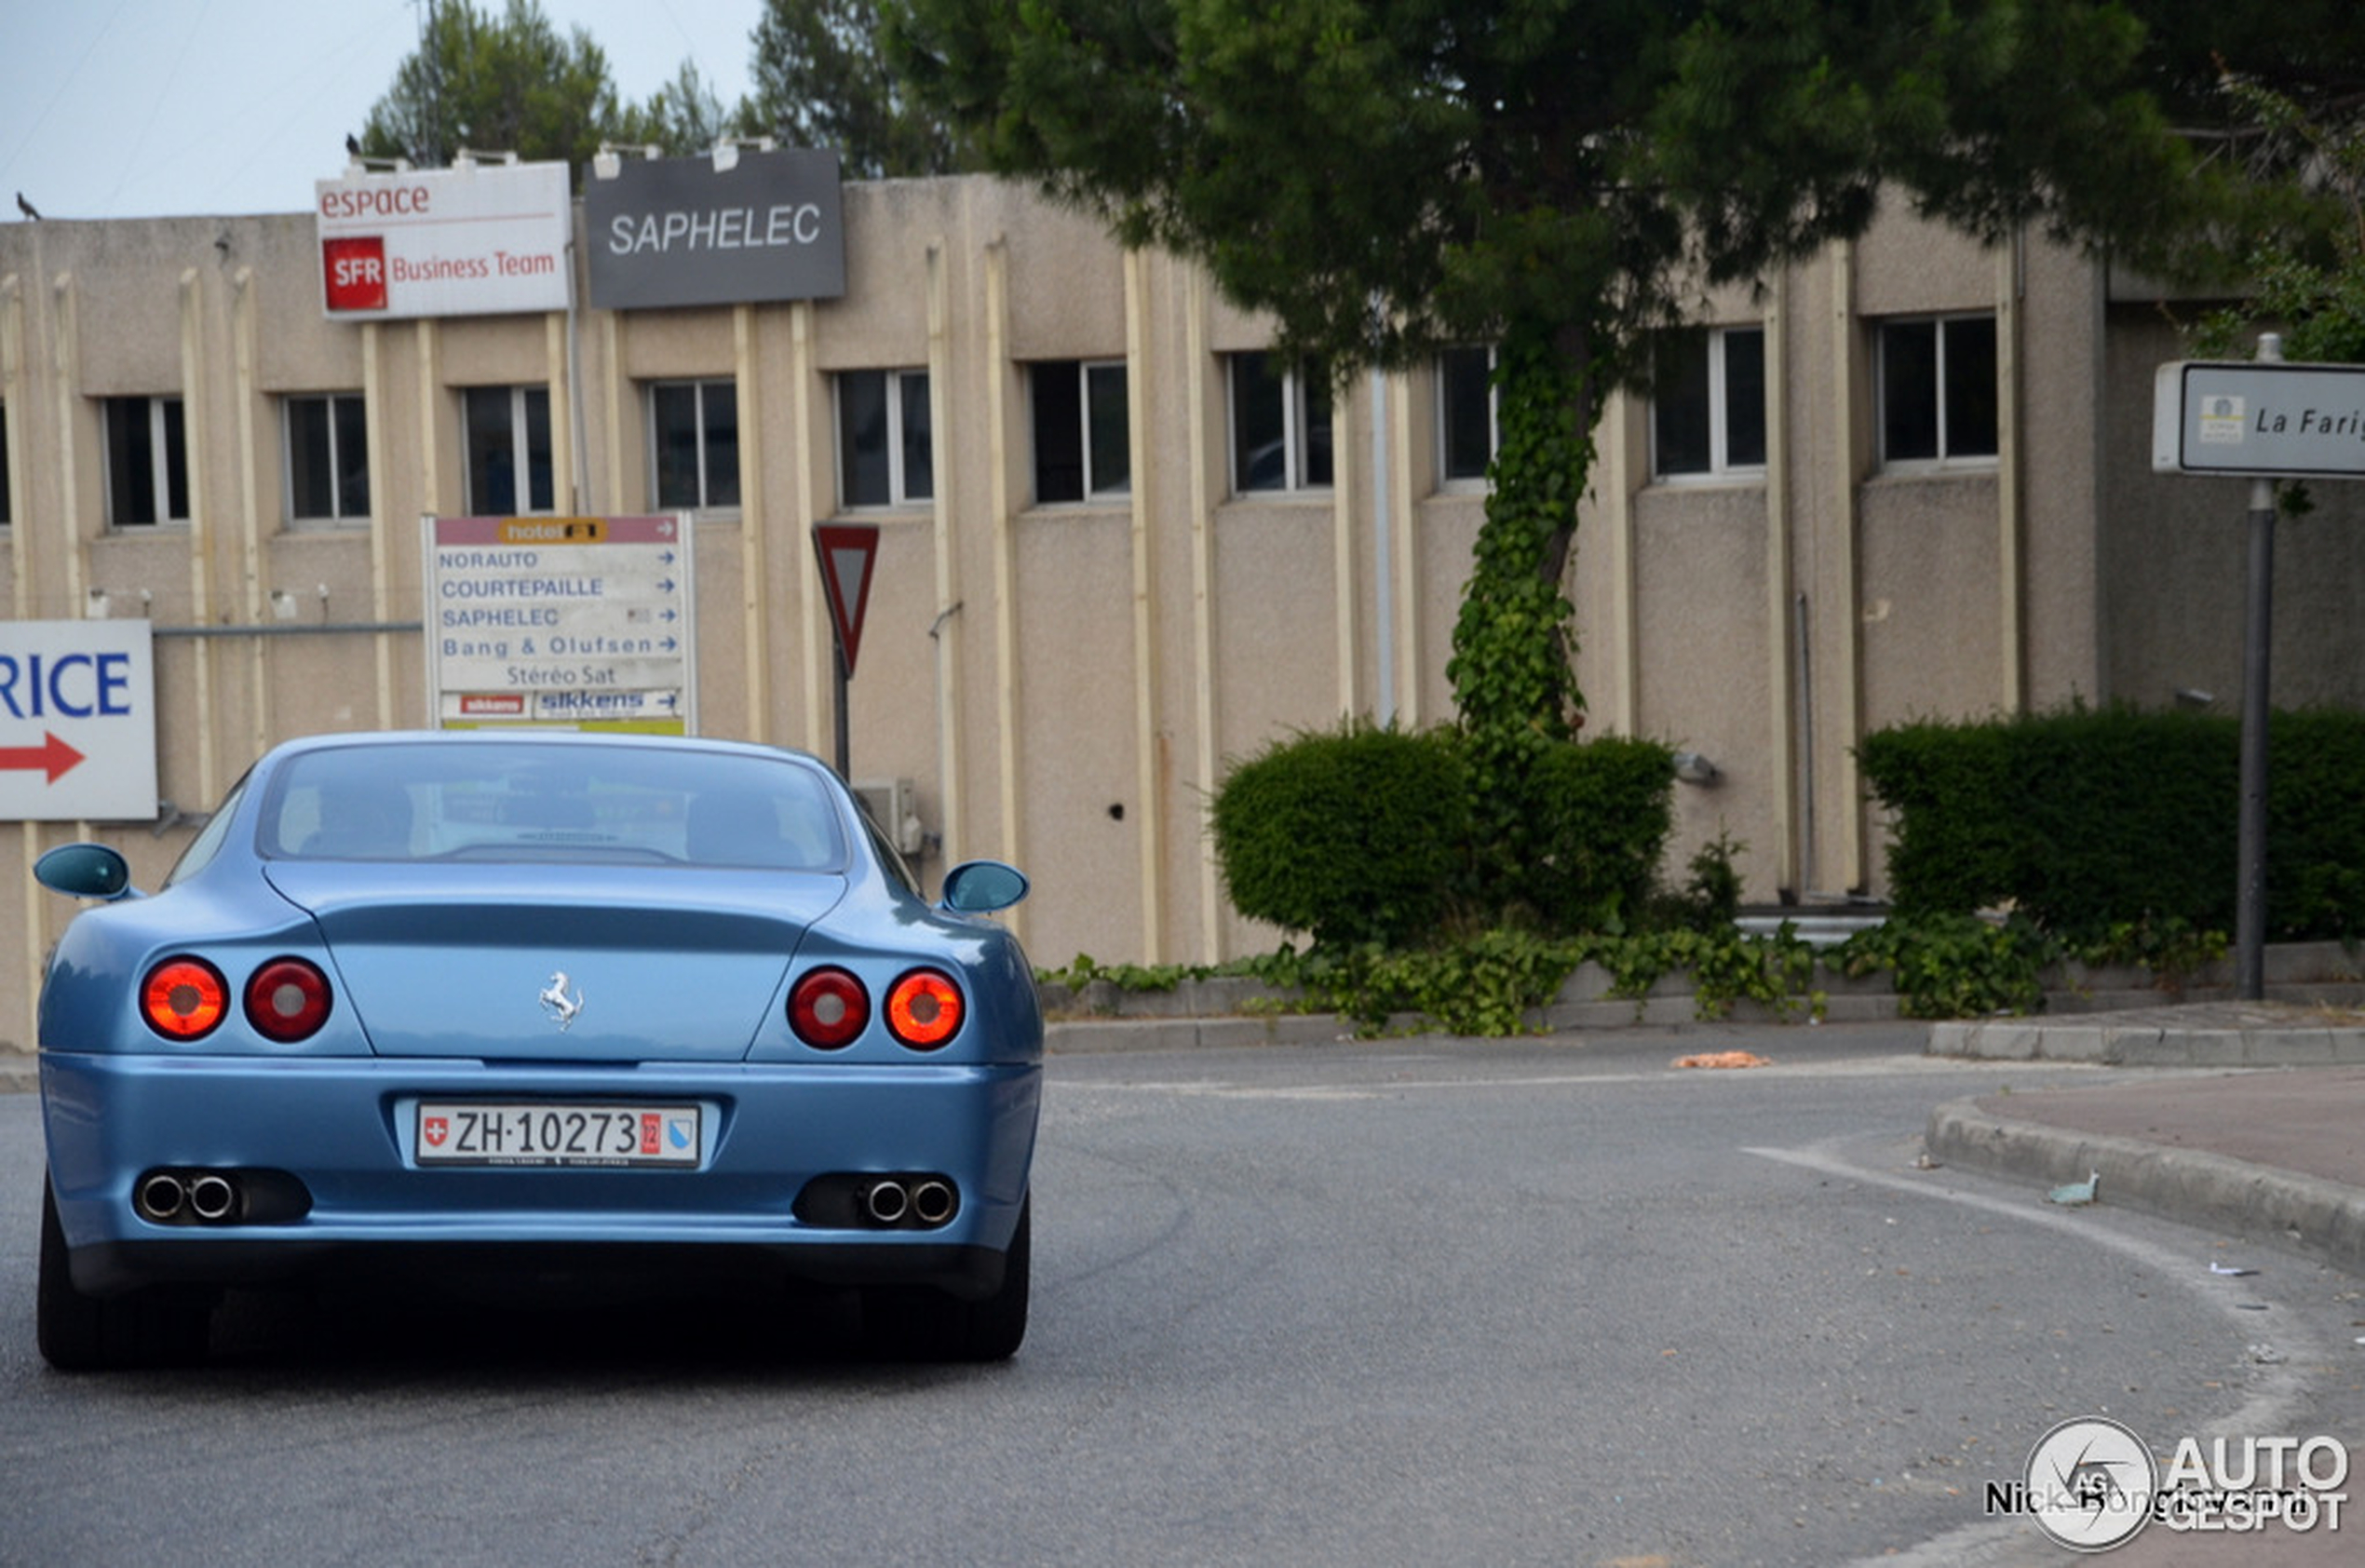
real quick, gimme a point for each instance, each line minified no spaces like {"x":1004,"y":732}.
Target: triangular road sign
{"x":847,"y":552}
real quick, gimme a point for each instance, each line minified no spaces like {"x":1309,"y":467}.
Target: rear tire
{"x":919,"y":1324}
{"x":157,"y":1326}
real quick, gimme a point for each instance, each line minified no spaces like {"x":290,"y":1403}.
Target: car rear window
{"x":492,"y":801}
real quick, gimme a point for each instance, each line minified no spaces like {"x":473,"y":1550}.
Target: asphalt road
{"x":1425,"y":1302}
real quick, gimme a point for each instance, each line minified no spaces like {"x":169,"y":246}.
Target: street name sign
{"x":2259,"y":419}
{"x":561,"y":623}
{"x":77,"y":722}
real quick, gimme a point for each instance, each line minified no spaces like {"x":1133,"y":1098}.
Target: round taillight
{"x":828,"y":1008}
{"x":923,"y":1009}
{"x":184,"y":998}
{"x":288,"y":1000}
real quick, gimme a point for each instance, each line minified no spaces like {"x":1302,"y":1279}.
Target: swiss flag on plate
{"x":438,"y":1129}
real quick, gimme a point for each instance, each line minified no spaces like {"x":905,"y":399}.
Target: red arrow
{"x":52,"y":756}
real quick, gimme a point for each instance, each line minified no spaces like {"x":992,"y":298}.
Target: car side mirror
{"x":982,"y":886}
{"x":84,"y":870}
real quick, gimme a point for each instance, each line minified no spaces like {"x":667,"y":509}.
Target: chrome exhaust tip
{"x":212,"y":1197}
{"x":933,"y":1201}
{"x":887,"y":1202}
{"x":160,"y":1197}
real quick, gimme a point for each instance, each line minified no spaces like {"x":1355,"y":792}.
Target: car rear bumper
{"x":325,"y":1147}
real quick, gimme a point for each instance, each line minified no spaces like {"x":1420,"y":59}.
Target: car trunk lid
{"x":558,"y":963}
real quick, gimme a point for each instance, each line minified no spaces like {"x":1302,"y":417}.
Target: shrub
{"x":1598,"y":817}
{"x":1366,"y":834}
{"x":1355,"y":835}
{"x":2085,"y":820}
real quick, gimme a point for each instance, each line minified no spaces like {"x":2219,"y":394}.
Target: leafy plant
{"x":1355,"y":836}
{"x":1955,"y":966}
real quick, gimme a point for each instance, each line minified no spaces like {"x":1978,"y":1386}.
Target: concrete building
{"x":1120,"y":545}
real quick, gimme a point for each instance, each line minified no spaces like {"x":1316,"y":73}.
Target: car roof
{"x":687,"y":744}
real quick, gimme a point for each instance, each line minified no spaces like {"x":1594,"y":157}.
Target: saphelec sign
{"x":741,"y":229}
{"x":477,"y":240}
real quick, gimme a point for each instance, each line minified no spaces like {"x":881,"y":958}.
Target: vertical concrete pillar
{"x":2010,"y":479}
{"x":951,"y":697}
{"x":196,"y":412}
{"x":755,"y":559}
{"x":1002,"y":509}
{"x":810,"y":502}
{"x":1143,"y":357}
{"x":1782,"y":652}
{"x":1207,"y":446}
{"x":252,"y":588}
{"x":1845,"y":605}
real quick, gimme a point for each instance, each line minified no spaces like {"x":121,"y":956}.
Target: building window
{"x":694,"y":437}
{"x":508,"y":434}
{"x":1708,"y":401}
{"x":328,"y":448}
{"x":1280,"y":424}
{"x":1937,"y":390}
{"x":1082,"y":442}
{"x":1465,"y":413}
{"x":884,"y":455}
{"x":147,"y":462}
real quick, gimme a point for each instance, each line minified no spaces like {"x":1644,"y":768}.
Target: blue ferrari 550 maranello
{"x":452,"y":1000}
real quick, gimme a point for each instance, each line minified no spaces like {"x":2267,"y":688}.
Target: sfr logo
{"x":355,"y":272}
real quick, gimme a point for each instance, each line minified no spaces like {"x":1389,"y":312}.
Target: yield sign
{"x":847,"y":552}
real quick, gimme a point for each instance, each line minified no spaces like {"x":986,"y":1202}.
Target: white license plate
{"x":546,"y":1132}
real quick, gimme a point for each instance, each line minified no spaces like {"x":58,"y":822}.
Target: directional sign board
{"x":77,"y":722}
{"x":564,"y":623}
{"x":2259,"y":419}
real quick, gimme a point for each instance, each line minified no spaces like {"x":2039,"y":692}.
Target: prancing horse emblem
{"x":559,"y":1005}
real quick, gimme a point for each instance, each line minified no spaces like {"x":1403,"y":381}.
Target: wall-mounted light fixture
{"x":1693,"y":768}
{"x":608,"y":162}
{"x":726,"y":152}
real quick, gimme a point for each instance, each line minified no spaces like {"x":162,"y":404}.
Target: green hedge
{"x":1355,"y":836}
{"x":2090,"y":819}
{"x":1600,"y":815}
{"x":1366,"y":834}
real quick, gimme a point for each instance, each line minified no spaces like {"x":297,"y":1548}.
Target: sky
{"x":168,"y":108}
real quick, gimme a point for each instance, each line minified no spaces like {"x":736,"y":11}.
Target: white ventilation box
{"x":894,"y":807}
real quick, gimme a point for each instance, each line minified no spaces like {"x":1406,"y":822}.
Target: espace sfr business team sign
{"x":490,"y":239}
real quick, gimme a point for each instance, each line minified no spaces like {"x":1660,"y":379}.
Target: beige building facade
{"x":1907,"y":479}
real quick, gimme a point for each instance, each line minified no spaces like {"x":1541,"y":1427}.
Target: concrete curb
{"x":2282,"y":1209}
{"x":1185,"y":1034}
{"x":2154,"y":1039}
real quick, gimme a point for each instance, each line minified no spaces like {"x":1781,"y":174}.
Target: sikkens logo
{"x":2091,"y":1484}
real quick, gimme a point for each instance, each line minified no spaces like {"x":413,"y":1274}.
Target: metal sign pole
{"x":2250,"y":909}
{"x":843,"y":730}
{"x":2250,"y":906}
